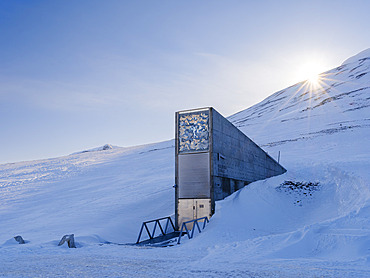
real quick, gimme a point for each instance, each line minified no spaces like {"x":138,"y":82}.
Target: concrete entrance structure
{"x":213,"y":160}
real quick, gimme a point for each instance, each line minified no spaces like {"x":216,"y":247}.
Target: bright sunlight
{"x":310,"y":71}
{"x":314,"y":80}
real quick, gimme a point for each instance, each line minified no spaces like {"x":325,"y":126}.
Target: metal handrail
{"x":195,"y":222}
{"x":157,"y":223}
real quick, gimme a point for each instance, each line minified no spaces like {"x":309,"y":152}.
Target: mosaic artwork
{"x":193,"y":132}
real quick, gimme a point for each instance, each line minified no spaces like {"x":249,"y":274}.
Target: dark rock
{"x":70,"y":239}
{"x":19,"y":239}
{"x":107,"y":147}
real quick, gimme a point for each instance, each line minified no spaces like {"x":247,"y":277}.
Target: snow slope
{"x":268,"y":229}
{"x":89,"y":194}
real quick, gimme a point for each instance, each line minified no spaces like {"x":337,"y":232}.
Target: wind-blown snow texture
{"x":312,"y":221}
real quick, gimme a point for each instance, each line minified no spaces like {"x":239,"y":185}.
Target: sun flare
{"x":314,"y":80}
{"x":310,"y":70}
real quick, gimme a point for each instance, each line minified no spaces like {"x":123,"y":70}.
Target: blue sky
{"x":80,"y":74}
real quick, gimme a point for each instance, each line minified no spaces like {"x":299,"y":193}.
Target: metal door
{"x":189,"y":209}
{"x":194,"y":176}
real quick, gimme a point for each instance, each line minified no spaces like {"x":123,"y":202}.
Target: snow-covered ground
{"x":313,"y":221}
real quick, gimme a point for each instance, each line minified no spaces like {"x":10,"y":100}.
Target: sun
{"x":314,"y":80}
{"x":309,"y":71}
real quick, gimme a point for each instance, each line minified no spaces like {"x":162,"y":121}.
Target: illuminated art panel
{"x":194,"y":131}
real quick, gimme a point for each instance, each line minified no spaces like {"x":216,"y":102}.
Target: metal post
{"x":141,"y":230}
{"x":160,"y":227}
{"x":165,"y":229}
{"x":155,"y":226}
{"x":147,"y":230}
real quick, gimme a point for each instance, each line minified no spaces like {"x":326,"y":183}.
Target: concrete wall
{"x":236,"y":159}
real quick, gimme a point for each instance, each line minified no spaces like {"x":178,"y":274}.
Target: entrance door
{"x":189,"y":209}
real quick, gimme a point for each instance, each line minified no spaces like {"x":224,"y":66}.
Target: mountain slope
{"x":92,"y":193}
{"x":304,"y":111}
{"x":322,"y":133}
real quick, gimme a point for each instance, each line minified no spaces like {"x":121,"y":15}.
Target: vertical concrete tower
{"x":213,"y":160}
